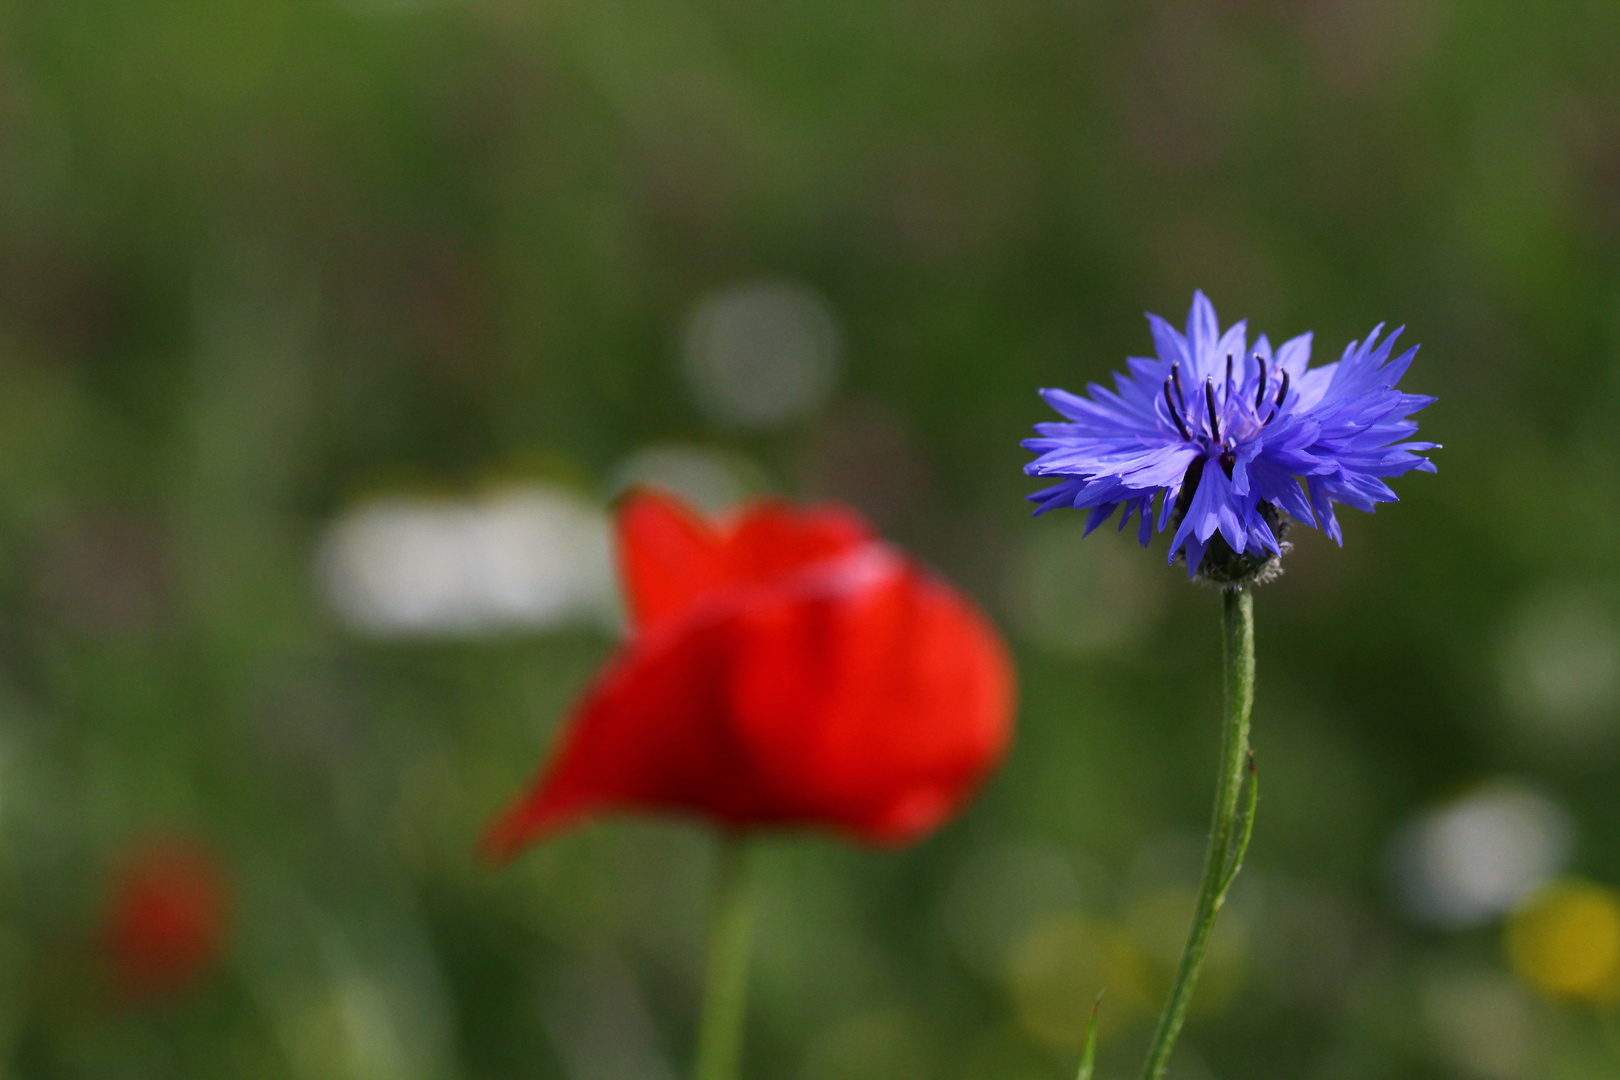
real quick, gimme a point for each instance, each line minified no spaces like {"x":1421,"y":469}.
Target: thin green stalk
{"x":725,"y":981}
{"x":1229,"y":831}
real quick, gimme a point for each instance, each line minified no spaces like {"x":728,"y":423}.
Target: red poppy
{"x":784,"y":668}
{"x":166,"y":922}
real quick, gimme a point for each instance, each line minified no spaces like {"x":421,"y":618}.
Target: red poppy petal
{"x":875,"y":708}
{"x":800,"y":686}
{"x":772,"y":538}
{"x":652,"y":733}
{"x":668,"y":556}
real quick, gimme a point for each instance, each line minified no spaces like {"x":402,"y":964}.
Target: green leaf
{"x":1245,"y":829}
{"x":1088,"y":1055}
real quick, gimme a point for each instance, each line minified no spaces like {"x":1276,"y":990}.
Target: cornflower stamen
{"x":1260,"y":395}
{"x":1181,"y":427}
{"x":1209,"y":403}
{"x":1277,"y":407}
{"x":1175,"y":373}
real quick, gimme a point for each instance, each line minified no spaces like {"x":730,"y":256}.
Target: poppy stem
{"x":725,"y":981}
{"x":1229,"y":831}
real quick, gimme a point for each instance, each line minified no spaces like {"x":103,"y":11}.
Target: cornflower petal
{"x":1259,"y":432}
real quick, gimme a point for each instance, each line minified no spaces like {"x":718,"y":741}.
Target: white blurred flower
{"x":1472,"y":860}
{"x":531,"y":557}
{"x":761,"y":353}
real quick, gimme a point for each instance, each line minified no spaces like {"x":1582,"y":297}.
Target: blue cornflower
{"x":1234,"y":437}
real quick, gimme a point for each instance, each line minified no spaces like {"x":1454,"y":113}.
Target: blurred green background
{"x":327,"y":328}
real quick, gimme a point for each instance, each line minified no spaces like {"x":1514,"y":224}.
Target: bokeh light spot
{"x":1472,"y":860}
{"x":761,"y":353}
{"x":1560,"y":664}
{"x":1077,"y":597}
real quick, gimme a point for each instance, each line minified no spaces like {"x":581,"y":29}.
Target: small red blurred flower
{"x":166,"y":922}
{"x":784,"y":668}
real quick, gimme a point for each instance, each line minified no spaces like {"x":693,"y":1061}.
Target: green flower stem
{"x":1229,"y":831}
{"x":725,"y":981}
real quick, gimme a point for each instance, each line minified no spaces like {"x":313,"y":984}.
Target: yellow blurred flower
{"x":1565,"y":941}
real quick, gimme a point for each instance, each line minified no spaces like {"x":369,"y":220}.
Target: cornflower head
{"x":1234,"y":442}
